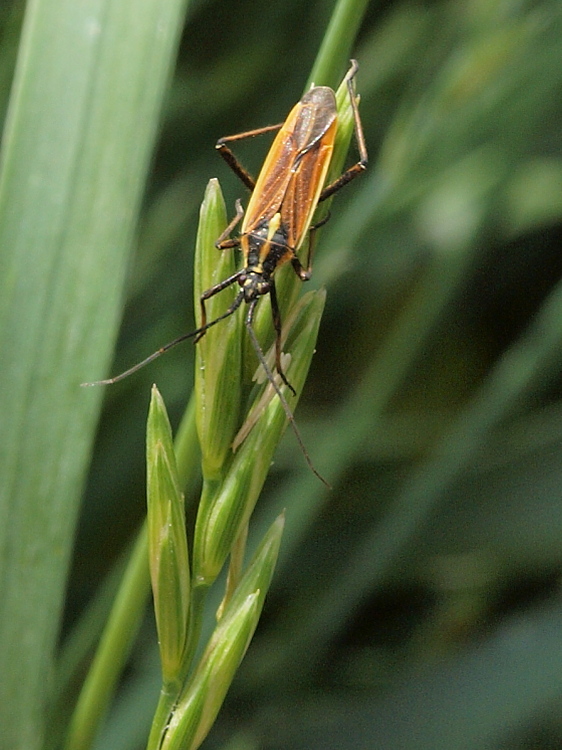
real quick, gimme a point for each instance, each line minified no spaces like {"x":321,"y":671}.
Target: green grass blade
{"x":113,"y":650}
{"x":82,"y":119}
{"x":337,"y":43}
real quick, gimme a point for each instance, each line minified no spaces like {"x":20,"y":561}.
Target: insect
{"x":278,"y":218}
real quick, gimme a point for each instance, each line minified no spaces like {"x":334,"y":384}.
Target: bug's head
{"x":254,"y":284}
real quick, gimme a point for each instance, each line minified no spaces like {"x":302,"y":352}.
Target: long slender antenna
{"x":235,"y":305}
{"x":279,"y":392}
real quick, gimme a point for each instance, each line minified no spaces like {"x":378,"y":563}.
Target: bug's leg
{"x":361,"y":165}
{"x":203,"y":328}
{"x":224,"y":241}
{"x":277,"y":326}
{"x":304,"y":274}
{"x":229,"y":157}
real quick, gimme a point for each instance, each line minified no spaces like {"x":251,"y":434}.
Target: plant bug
{"x":278,"y":219}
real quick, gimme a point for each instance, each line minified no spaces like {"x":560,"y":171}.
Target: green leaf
{"x":83,"y":116}
{"x":218,"y":375}
{"x":225,"y":509}
{"x":203,"y":696}
{"x":167,"y":541}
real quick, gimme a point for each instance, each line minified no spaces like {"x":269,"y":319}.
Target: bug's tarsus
{"x":224,"y":242}
{"x":321,"y":222}
{"x":302,"y":272}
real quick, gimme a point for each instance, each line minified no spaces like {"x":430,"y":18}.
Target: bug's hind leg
{"x":230,"y":158}
{"x":356,"y":169}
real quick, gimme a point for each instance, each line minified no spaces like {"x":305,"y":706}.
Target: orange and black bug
{"x":279,"y":217}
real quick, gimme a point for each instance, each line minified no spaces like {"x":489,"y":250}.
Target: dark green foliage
{"x":416,"y":605}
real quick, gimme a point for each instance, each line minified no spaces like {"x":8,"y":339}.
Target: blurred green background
{"x":418,"y":604}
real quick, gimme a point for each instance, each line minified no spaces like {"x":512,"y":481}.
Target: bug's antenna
{"x":198,"y":332}
{"x":279,"y":392}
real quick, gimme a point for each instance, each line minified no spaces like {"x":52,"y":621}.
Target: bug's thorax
{"x":265,"y":249}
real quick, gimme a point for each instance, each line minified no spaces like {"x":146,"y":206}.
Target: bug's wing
{"x":272,"y":182}
{"x":293,"y":173}
{"x":303,"y":191}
